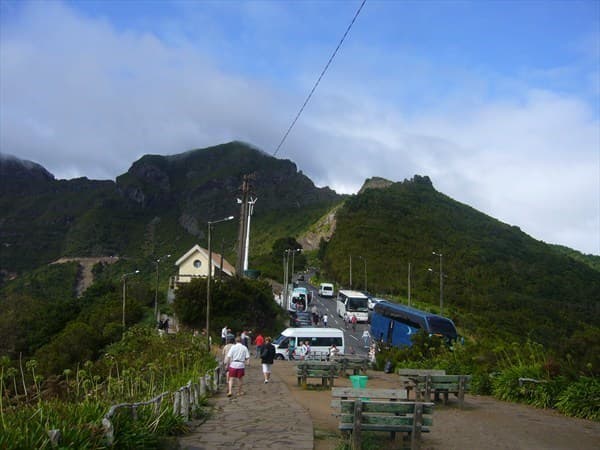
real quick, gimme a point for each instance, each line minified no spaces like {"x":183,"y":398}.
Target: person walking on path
{"x":224,"y":332}
{"x":225,"y":362}
{"x":259,"y":341}
{"x":267,"y":355}
{"x":353,"y":320}
{"x":366,"y":337}
{"x":325,"y":319}
{"x":238,"y":357}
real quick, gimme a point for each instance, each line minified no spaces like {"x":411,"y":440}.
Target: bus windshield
{"x":357,"y":304}
{"x":439,"y":325}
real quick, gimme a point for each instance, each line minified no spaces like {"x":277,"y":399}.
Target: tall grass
{"x":138,"y":368}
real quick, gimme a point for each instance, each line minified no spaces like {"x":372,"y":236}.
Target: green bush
{"x":581,"y":399}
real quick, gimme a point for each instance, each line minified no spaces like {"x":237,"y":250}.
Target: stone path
{"x":265,"y":417}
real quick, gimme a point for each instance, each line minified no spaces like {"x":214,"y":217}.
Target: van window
{"x":323,"y":341}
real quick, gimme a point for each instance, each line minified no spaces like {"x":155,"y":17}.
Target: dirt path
{"x":86,"y":264}
{"x":484,"y":423}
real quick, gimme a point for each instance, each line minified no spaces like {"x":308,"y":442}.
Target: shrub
{"x":581,"y":399}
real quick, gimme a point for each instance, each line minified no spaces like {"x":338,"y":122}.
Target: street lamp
{"x":286,"y":275}
{"x":124,"y":279}
{"x":293,"y":257}
{"x":157,"y":262}
{"x":441,"y":283}
{"x":210,"y":224}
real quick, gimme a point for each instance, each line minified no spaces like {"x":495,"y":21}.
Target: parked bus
{"x":320,"y":340}
{"x":394,"y":324}
{"x":353,"y":303}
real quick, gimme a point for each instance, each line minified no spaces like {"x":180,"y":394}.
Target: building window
{"x":197,"y":263}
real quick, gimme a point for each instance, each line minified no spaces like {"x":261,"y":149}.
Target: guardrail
{"x":184,"y":400}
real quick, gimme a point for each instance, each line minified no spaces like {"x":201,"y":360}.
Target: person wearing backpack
{"x":267,"y":355}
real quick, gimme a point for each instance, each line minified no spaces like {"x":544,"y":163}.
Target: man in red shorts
{"x":238,"y":356}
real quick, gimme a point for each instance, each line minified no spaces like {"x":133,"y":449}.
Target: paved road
{"x":266,"y":417}
{"x":328,"y":305}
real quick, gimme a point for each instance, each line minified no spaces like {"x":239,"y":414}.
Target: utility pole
{"x":250,"y":211}
{"x":243,"y":226}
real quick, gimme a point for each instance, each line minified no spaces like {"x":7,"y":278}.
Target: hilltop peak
{"x":375,"y":183}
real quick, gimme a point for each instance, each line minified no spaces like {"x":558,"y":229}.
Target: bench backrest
{"x":420,"y":372}
{"x":450,"y":382}
{"x":344,"y":393}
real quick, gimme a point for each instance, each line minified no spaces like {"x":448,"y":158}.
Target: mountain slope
{"x":487,"y":265}
{"x":161,"y":205}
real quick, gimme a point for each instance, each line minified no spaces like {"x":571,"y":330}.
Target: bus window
{"x":357,"y":304}
{"x":439,"y":325}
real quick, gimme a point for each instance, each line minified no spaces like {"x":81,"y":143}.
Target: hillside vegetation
{"x":525,"y":308}
{"x":499,"y":283}
{"x":160,"y":205}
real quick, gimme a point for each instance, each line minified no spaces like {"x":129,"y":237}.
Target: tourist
{"x":267,"y":355}
{"x":237,"y":358}
{"x":259,"y":341}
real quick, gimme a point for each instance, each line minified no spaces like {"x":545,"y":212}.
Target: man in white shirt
{"x":237,"y":357}
{"x":224,"y":335}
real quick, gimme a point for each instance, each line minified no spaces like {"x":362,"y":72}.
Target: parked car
{"x":300,"y":319}
{"x":373,"y":301}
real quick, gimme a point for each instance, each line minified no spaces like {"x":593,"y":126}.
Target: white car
{"x":373,"y":301}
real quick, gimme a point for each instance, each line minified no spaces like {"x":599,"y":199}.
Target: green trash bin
{"x":359,"y":382}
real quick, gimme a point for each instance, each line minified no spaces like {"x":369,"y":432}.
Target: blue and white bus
{"x":394,"y":324}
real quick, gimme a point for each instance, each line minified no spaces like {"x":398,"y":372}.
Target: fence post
{"x":176,"y":402}
{"x":202,"y":386}
{"x":55,"y":437}
{"x":208,"y":382}
{"x":185,"y":403}
{"x":109,"y":431}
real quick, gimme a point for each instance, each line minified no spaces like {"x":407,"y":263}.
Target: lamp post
{"x":441,"y":283}
{"x":294,"y":251}
{"x":124,"y":279}
{"x":157,"y":262}
{"x":210,"y":224}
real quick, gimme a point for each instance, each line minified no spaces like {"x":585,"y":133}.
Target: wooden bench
{"x":317,"y":356}
{"x":445,"y":385}
{"x":352,"y":362}
{"x":381,"y":410}
{"x":410,"y":377}
{"x":327,"y":371}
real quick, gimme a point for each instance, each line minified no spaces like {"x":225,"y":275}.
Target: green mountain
{"x":498,"y":281}
{"x":161,"y":205}
{"x":499,"y":284}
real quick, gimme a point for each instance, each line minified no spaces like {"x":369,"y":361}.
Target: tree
{"x":239,"y":303}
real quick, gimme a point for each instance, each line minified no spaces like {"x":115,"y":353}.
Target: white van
{"x":319,"y":339}
{"x":326,"y":290}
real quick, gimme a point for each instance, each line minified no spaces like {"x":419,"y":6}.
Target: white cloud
{"x":85,"y":99}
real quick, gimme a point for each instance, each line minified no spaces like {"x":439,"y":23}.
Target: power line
{"x":319,"y":79}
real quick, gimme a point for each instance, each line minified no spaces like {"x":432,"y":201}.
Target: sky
{"x":498,"y":102}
